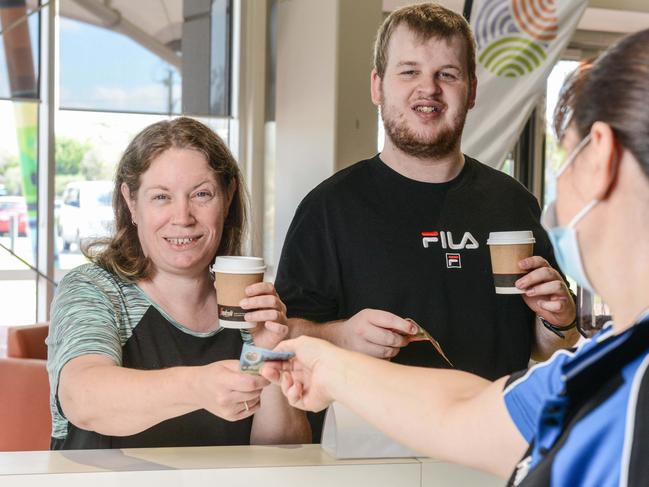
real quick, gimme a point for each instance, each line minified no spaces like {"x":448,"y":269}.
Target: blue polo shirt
{"x":585,"y":413}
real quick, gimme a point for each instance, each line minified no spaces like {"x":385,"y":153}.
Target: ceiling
{"x":155,"y":24}
{"x":620,"y":16}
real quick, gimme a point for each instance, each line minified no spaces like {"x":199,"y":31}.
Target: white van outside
{"x":86,"y":212}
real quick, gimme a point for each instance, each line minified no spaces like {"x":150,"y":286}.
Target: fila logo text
{"x":446,"y":240}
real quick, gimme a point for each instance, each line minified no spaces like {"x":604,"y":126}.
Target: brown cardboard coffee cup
{"x":507,"y":249}
{"x":232,"y":274}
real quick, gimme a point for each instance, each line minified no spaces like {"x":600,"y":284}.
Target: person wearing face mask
{"x":564,"y":239}
{"x":581,"y":418}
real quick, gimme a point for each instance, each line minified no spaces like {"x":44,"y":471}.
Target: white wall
{"x":306,"y":70}
{"x":324,"y":116}
{"x":357,"y":117}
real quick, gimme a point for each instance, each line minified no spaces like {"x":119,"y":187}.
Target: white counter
{"x":299,"y":465}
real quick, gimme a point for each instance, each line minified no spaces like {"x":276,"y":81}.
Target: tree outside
{"x":75,"y":161}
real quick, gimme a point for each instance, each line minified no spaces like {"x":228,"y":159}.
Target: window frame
{"x":47,"y":102}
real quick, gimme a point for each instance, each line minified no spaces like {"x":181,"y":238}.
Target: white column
{"x":325,"y":117}
{"x":47,"y":114}
{"x":250,"y":112}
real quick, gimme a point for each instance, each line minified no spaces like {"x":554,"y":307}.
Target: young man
{"x":403,"y":235}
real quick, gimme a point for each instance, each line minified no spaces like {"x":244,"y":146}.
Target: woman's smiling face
{"x":179,"y":210}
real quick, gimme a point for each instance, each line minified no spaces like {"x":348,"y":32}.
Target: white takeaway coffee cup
{"x":506,"y":250}
{"x":232,"y":274}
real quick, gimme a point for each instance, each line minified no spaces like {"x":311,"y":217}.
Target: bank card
{"x":252,"y":358}
{"x":246,"y":336}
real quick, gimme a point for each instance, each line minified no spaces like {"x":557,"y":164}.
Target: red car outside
{"x":13,"y":206}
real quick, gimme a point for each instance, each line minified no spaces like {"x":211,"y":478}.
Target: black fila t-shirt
{"x":368,"y":237}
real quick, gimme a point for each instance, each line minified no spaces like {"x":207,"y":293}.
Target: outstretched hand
{"x":305,"y":380}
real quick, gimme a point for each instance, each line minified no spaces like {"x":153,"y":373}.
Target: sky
{"x":106,"y":70}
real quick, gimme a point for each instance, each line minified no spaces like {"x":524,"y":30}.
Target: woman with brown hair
{"x":582,"y":417}
{"x":136,"y":355}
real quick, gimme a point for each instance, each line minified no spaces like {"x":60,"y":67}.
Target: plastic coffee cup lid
{"x":231,"y":264}
{"x":509,"y":238}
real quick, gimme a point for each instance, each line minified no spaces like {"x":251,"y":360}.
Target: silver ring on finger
{"x":245,"y":403}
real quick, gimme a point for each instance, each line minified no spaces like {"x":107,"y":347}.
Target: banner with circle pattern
{"x":518,"y":43}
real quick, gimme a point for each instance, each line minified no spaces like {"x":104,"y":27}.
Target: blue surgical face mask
{"x":564,"y":239}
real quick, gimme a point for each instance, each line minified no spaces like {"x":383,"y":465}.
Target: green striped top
{"x":95,"y":312}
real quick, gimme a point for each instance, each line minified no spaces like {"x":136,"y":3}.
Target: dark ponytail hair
{"x":616,"y":92}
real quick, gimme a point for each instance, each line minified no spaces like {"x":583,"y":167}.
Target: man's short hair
{"x":427,"y":21}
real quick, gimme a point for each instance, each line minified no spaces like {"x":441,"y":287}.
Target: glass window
{"x":102,"y":69}
{"x":120,"y":71}
{"x":553,"y":154}
{"x":19,"y":51}
{"x":19,"y":54}
{"x":131,"y":58}
{"x":509,"y":166}
{"x":18,"y":215}
{"x":221,"y":52}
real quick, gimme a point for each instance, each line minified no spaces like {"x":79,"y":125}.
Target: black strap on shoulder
{"x":542,"y":473}
{"x":639,"y":464}
{"x":514,"y":377}
{"x":521,"y":468}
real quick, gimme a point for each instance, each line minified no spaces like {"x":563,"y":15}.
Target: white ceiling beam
{"x":610,"y":20}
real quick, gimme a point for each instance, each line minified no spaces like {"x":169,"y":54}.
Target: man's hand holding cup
{"x":546,"y":293}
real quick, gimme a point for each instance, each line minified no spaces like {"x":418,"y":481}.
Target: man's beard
{"x":445,"y":141}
